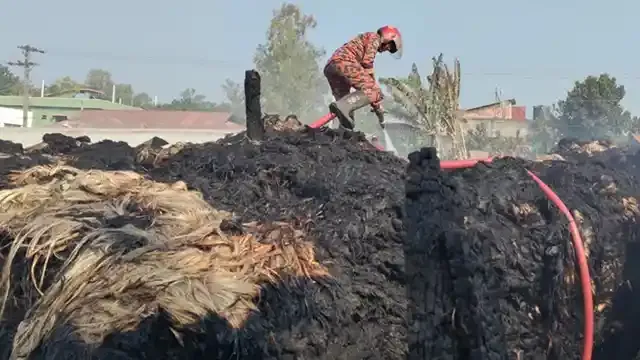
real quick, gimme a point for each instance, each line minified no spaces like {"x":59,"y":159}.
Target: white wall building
{"x":10,"y":117}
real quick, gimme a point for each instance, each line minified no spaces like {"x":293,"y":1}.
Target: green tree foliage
{"x":292,"y":80}
{"x":142,"y":100}
{"x":592,"y":109}
{"x":99,"y":79}
{"x":9,"y":82}
{"x":190,"y":100}
{"x":543,"y":132}
{"x":63,"y":85}
{"x":431,"y":106}
{"x":102,"y":80}
{"x":125,"y":94}
{"x":235,"y":98}
{"x":409,"y":103}
{"x":410,"y":99}
{"x":479,"y":138}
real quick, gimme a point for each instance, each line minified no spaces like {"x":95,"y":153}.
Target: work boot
{"x":345,"y":107}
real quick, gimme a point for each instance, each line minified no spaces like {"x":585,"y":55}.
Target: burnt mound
{"x":352,"y":194}
{"x":351,"y":197}
{"x":490,"y":266}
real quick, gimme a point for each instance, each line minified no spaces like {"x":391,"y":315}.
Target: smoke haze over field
{"x":533,"y":51}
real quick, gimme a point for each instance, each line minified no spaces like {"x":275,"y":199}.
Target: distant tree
{"x":99,"y":79}
{"x":125,"y":94}
{"x":592,"y":109}
{"x":411,"y":100}
{"x":9,"y":82}
{"x":142,"y":100}
{"x":61,"y":85}
{"x":544,"y":131}
{"x":102,"y":80}
{"x":479,"y":139}
{"x":292,"y":80}
{"x":235,"y":97}
{"x":190,"y":100}
{"x":431,"y":106}
{"x":191,"y":97}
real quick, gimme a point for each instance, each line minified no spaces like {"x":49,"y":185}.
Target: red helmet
{"x":391,"y":35}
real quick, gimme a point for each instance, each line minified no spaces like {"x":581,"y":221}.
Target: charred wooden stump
{"x":255,"y":126}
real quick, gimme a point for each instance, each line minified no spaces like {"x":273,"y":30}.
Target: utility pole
{"x":27,"y":65}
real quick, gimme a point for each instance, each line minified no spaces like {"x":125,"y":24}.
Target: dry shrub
{"x":588,"y":148}
{"x":550,"y":157}
{"x":289,"y":123}
{"x":156,"y":156}
{"x":594,"y":147}
{"x":104,"y":250}
{"x":147,"y":156}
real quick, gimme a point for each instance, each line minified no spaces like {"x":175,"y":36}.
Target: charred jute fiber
{"x":111,"y":265}
{"x":600,"y":184}
{"x":10,"y":148}
{"x":79,"y":152}
{"x":353,"y":194}
{"x":580,"y":149}
{"x":82,"y":153}
{"x":491,"y":268}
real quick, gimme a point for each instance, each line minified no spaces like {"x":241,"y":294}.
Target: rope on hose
{"x":585,"y":278}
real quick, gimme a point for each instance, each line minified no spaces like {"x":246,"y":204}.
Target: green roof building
{"x":47,"y":110}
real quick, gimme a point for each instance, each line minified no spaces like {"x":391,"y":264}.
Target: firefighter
{"x":351,"y":66}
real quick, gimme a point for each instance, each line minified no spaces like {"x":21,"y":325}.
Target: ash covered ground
{"x":348,"y":197}
{"x":490,"y":269}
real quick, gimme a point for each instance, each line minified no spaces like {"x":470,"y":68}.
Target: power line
{"x":209,"y":63}
{"x":143,"y":59}
{"x":27,"y":65}
{"x":164,"y":59}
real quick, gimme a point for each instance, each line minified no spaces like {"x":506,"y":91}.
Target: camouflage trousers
{"x":343,"y":76}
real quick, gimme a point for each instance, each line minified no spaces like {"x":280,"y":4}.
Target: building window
{"x":58,"y":118}
{"x":496,"y":125}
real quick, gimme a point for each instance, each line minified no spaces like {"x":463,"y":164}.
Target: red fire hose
{"x":322,"y":121}
{"x":585,"y":278}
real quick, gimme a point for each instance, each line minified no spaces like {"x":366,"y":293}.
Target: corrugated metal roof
{"x":62,"y":102}
{"x":151,"y":119}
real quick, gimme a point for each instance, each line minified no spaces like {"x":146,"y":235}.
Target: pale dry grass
{"x":153,"y":157}
{"x":168,"y":253}
{"x":276,"y":123}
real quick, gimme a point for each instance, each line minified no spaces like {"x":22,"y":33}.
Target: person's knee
{"x":340,"y":93}
{"x":340,"y":88}
{"x":374,"y":93}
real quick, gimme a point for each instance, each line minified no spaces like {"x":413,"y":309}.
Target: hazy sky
{"x":531,"y":50}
